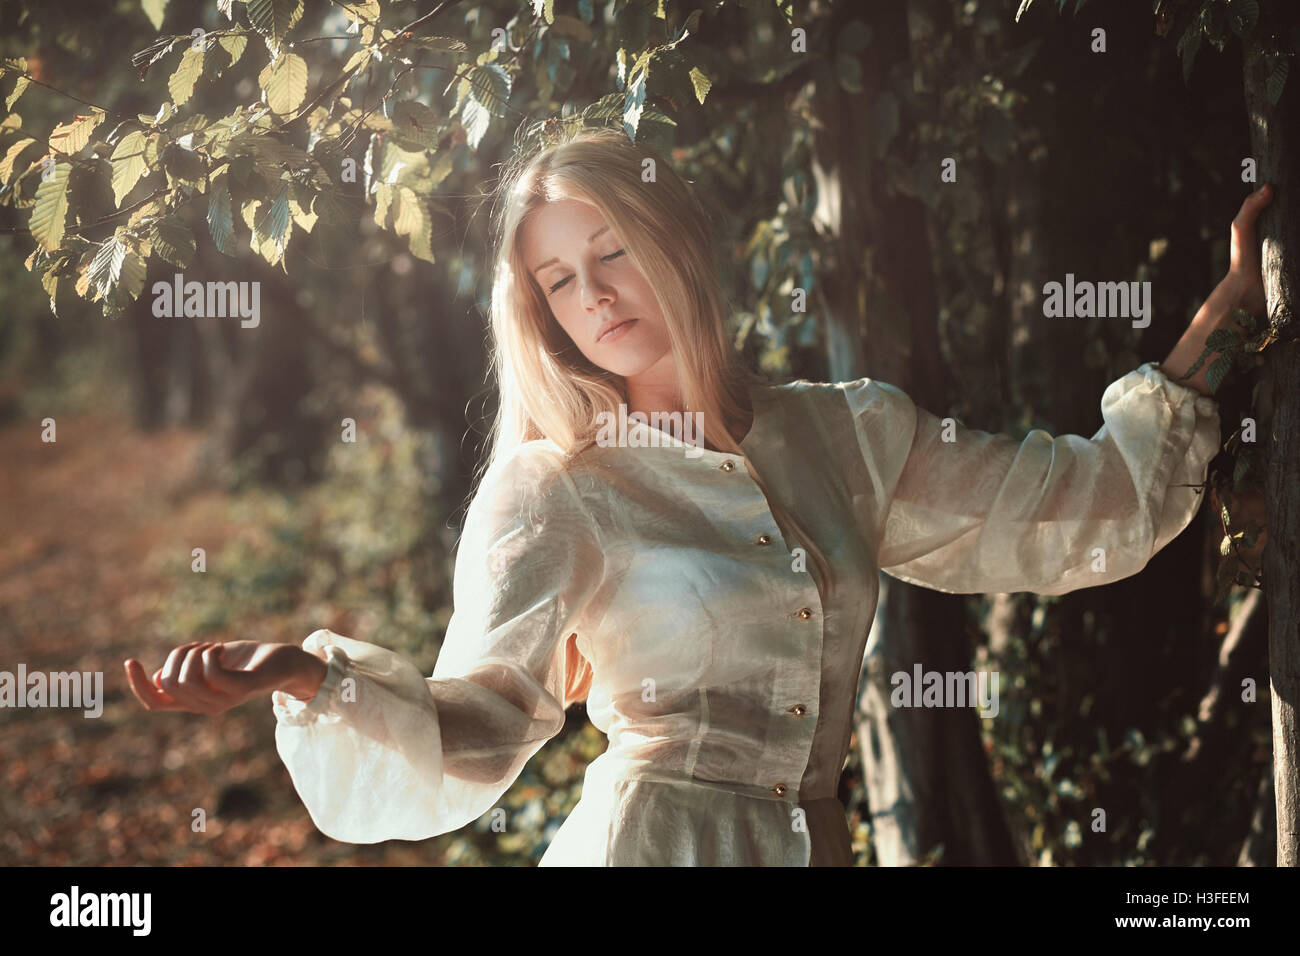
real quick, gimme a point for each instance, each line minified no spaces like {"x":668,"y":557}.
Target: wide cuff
{"x":1178,"y":392}
{"x":295,"y":712}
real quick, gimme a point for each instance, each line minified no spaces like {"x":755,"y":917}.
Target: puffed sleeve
{"x":382,"y":752}
{"x":966,"y":511}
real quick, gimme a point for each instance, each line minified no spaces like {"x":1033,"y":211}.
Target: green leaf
{"x":414,"y":220}
{"x":1219,"y":369}
{"x":185,"y":166}
{"x":485,"y":96}
{"x":117,"y":271}
{"x":271,"y":226}
{"x":128,"y":164}
{"x":274,"y":18}
{"x":491,"y":84}
{"x":221,"y":222}
{"x":234,"y":47}
{"x":11,"y":157}
{"x":1222,"y":340}
{"x":173,"y":241}
{"x":701,"y":82}
{"x":154,"y":10}
{"x":415,"y":123}
{"x":634,"y":103}
{"x":301,"y":199}
{"x":383,"y":206}
{"x":181,"y":83}
{"x":475,"y":118}
{"x":70,"y":137}
{"x":49,"y":215}
{"x":20,"y":84}
{"x":364,"y":12}
{"x":285,"y":83}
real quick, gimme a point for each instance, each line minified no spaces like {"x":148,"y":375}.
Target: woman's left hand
{"x":1245,"y":275}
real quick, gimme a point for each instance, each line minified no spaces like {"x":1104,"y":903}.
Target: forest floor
{"x":87,"y":524}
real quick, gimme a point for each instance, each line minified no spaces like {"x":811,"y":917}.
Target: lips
{"x":611,"y":326}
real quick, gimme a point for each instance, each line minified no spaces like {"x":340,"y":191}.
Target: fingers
{"x":179,"y":684}
{"x":193,"y":687}
{"x":1253,"y":205}
{"x":150,"y":696}
{"x":217,"y":676}
{"x":169,"y":674}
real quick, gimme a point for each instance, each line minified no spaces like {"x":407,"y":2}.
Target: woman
{"x":710,"y":604}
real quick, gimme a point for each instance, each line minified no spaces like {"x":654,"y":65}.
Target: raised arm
{"x":967,"y":511}
{"x":382,"y":752}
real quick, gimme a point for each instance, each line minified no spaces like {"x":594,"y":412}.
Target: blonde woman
{"x":709,"y":599}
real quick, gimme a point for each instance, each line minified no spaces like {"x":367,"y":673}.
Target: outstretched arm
{"x":383,"y":752}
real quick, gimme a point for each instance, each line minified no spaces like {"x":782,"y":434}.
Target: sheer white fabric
{"x":723,"y":681}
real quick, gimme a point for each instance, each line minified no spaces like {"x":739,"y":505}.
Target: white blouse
{"x":724,"y":683}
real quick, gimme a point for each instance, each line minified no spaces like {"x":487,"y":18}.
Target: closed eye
{"x":612,"y":255}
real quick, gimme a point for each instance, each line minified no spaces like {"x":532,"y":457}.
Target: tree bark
{"x":1274,"y":131}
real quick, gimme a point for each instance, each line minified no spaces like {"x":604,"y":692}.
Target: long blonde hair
{"x":547,"y":388}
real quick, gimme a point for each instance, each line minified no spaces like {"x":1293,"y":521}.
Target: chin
{"x":629,"y":366}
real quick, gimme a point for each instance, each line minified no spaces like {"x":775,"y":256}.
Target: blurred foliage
{"x":243,"y":139}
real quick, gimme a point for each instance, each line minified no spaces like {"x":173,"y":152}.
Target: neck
{"x":665,"y":397}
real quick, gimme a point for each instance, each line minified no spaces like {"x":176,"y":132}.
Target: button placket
{"x":763,"y":539}
{"x":791,"y":767}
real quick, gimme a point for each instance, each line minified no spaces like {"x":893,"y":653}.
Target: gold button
{"x":764,"y":539}
{"x":798,"y":710}
{"x":805,"y":613}
{"x":728,"y":465}
{"x":779,"y":789}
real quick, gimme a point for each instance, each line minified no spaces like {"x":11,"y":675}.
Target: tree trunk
{"x":1274,"y":132}
{"x":926,"y":772}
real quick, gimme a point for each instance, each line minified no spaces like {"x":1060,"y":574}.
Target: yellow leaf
{"x":285,"y":83}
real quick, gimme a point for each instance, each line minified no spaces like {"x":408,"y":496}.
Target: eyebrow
{"x":555,"y":259}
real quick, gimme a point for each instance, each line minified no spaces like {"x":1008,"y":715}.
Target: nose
{"x":596,"y":295}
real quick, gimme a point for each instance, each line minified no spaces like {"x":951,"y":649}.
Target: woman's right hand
{"x":204,"y":677}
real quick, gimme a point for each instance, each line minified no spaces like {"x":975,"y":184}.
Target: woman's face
{"x":591,"y":283}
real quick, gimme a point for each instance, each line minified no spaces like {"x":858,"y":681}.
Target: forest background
{"x":917,"y":170}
